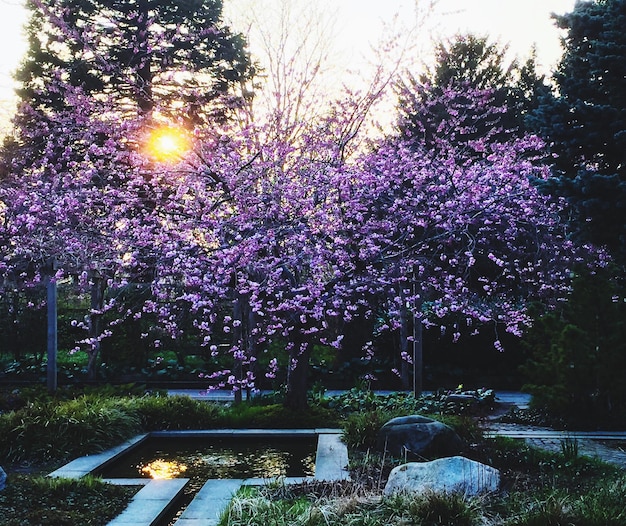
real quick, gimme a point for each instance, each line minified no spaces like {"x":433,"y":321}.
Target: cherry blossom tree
{"x":265,"y":240}
{"x":310,"y":238}
{"x":97,"y":76}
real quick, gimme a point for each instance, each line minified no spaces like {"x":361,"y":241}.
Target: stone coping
{"x":220,"y":433}
{"x":150,"y":503}
{"x":156,"y":496}
{"x":90,"y":463}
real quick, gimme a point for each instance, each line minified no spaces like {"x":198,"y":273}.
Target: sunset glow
{"x":167,"y":144}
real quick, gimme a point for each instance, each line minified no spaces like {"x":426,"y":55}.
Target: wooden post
{"x":417,"y":356}
{"x":238,"y":342}
{"x":418,"y":347}
{"x":51,"y":369}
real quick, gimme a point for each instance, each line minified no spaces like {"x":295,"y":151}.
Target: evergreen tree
{"x":584,"y":121}
{"x":172,"y":57}
{"x":471,"y":59}
{"x":578,"y":353}
{"x":468,"y":63}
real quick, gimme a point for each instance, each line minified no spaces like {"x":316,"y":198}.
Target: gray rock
{"x":420,"y":437}
{"x":3,"y":479}
{"x":444,"y":475}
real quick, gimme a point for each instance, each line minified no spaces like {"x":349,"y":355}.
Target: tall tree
{"x":175,"y":56}
{"x":170,"y":60}
{"x":584,"y":121}
{"x":84,"y":204}
{"x":314,"y":239}
{"x":465,"y":64}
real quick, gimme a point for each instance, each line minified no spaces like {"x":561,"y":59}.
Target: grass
{"x":257,"y":506}
{"x":37,"y":500}
{"x":540,"y":489}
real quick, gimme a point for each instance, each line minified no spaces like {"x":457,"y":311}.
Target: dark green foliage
{"x":175,"y":412}
{"x":30,"y":501}
{"x":22,"y":323}
{"x":440,"y":509}
{"x":75,"y":423}
{"x":602,"y":505}
{"x":553,"y":511}
{"x":584,"y":121}
{"x":471,"y":59}
{"x":147,"y":42}
{"x":47,"y":430}
{"x":464,"y":64}
{"x":508,"y":454}
{"x":360,"y":430}
{"x":579,"y":354}
{"x":278,"y":416}
{"x":443,"y":401}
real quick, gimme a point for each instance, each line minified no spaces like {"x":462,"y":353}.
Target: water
{"x":200,"y":459}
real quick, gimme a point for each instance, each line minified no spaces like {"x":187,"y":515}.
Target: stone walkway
{"x":605,"y":445}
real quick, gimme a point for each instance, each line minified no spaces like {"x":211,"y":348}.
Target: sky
{"x":354,"y":27}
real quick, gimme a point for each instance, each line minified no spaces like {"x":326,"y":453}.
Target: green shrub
{"x":579,"y":354}
{"x":277,"y":416}
{"x":440,"y":402}
{"x":43,"y":431}
{"x":360,"y":430}
{"x":436,"y":509}
{"x":603,"y":506}
{"x":175,"y":412}
{"x":553,"y":510}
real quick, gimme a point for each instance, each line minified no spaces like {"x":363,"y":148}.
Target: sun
{"x":167,"y":143}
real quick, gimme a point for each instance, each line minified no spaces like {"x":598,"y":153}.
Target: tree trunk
{"x":51,"y":367}
{"x":98,"y":286}
{"x":144,"y":72}
{"x":238,"y":342}
{"x":250,"y":339}
{"x":418,"y":340}
{"x":297,"y":375}
{"x":404,"y":347}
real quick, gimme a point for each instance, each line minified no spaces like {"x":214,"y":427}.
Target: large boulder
{"x":444,"y":475}
{"x":418,"y":437}
{"x":3,"y":479}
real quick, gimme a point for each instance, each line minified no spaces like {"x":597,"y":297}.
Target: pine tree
{"x":175,"y":57}
{"x":584,"y":121}
{"x":468,"y":63}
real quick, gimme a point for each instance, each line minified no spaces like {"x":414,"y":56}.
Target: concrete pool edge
{"x":153,"y":500}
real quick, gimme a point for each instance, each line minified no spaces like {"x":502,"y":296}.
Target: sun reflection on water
{"x":163,"y":469}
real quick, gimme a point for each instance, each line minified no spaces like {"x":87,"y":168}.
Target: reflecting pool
{"x":217,"y":458}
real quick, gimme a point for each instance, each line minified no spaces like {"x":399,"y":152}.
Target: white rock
{"x":444,"y":475}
